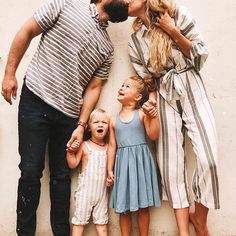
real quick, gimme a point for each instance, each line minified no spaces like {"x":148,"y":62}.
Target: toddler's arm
{"x":73,"y":158}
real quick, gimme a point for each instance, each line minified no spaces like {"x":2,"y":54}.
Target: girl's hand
{"x":149,"y":108}
{"x":165,"y":22}
{"x":110,"y":179}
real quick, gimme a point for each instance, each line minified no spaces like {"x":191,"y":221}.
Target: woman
{"x":167,"y":44}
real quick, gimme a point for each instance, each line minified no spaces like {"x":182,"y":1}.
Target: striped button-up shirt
{"x":74,"y":47}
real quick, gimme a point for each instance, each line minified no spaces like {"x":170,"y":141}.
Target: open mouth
{"x":99,"y":131}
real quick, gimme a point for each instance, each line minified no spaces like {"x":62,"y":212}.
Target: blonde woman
{"x":167,"y":43}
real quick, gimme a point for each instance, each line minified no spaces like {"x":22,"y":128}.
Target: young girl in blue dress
{"x":135,"y":177}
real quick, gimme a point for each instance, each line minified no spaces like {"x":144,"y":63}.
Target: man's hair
{"x":94,"y":1}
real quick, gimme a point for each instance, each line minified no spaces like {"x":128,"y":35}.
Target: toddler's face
{"x":99,"y":126}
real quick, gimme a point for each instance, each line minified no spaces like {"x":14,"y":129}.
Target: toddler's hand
{"x":74,"y":146}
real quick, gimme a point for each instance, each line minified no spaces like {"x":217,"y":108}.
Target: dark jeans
{"x":40,"y":124}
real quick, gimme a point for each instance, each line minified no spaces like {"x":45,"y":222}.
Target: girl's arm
{"x":74,"y":158}
{"x":111,"y":151}
{"x":150,"y":119}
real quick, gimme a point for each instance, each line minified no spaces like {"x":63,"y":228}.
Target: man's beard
{"x":117,"y":10}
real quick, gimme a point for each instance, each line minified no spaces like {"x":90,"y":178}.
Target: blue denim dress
{"x":136,"y":184}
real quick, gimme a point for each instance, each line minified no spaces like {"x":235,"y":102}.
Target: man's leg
{"x":61,"y":131}
{"x":33,"y":136}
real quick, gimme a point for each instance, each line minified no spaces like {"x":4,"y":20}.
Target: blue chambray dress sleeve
{"x":189,"y":29}
{"x":47,"y":15}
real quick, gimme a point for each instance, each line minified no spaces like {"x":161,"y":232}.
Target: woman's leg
{"x":200,"y":125}
{"x":77,"y":230}
{"x":143,"y":221}
{"x":125,"y":224}
{"x":172,"y":163}
{"x":102,"y":230}
{"x":198,"y":218}
{"x":182,"y":220}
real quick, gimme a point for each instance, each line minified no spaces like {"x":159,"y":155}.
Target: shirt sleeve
{"x":102,"y":72}
{"x":189,"y":29}
{"x":47,"y":14}
{"x":135,"y":60}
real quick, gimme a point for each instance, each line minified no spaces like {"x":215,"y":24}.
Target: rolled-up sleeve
{"x":189,"y":29}
{"x":47,"y":14}
{"x":102,"y":72}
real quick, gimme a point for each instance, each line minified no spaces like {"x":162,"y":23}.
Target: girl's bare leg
{"x":143,"y":221}
{"x":125,"y":224}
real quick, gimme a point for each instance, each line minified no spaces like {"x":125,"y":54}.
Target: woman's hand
{"x":165,"y":22}
{"x":149,"y":108}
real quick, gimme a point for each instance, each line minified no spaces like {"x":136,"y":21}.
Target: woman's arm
{"x":166,"y":23}
{"x":187,"y":36}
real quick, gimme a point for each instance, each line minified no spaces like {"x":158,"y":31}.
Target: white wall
{"x":217,"y":20}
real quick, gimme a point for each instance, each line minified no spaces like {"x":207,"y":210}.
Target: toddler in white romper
{"x":91,"y":196}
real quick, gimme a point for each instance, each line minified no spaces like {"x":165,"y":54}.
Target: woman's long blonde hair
{"x":160,"y":42}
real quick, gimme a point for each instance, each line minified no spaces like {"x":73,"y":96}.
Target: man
{"x":63,"y":82}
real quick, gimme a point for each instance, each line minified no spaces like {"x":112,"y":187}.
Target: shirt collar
{"x":95,"y":15}
{"x":143,"y":30}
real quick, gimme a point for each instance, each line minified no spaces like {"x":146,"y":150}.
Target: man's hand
{"x":9,"y":88}
{"x":75,"y":140}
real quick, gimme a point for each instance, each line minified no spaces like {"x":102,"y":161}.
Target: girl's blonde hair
{"x":145,"y":86}
{"x":160,"y":42}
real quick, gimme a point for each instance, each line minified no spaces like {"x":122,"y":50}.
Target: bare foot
{"x":199,"y":229}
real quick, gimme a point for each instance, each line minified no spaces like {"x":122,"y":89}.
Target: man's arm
{"x":20,"y":44}
{"x":90,"y":100}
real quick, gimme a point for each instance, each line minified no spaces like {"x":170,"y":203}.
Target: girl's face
{"x":99,"y":126}
{"x":136,"y":7}
{"x":128,"y":92}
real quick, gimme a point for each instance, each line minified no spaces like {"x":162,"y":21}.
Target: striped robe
{"x":183,"y":108}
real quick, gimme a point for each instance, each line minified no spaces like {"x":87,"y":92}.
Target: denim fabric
{"x":40,"y":124}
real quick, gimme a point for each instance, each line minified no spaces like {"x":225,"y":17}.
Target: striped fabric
{"x":91,"y":196}
{"x":186,"y":112}
{"x":74,"y":47}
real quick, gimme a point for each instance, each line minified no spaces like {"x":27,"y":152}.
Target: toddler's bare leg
{"x":102,"y":230}
{"x":77,"y":230}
